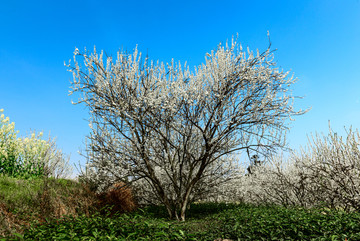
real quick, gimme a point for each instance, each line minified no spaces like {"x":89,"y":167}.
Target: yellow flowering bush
{"x":26,"y":157}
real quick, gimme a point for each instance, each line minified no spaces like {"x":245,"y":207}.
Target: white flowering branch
{"x":170,"y":131}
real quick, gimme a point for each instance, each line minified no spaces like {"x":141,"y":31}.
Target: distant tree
{"x":174,"y":130}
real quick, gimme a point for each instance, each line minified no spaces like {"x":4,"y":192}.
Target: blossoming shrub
{"x":325,"y":175}
{"x":330,"y":172}
{"x":30,"y":156}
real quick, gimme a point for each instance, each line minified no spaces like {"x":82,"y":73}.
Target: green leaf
{"x":161,"y":234}
{"x":18,"y":235}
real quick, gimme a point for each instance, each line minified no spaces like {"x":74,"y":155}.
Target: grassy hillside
{"x":23,"y":202}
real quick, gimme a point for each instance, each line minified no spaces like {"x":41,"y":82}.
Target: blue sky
{"x":319,"y":41}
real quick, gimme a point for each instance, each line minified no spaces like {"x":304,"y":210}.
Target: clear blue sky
{"x":319,"y":41}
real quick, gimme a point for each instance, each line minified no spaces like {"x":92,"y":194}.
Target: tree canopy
{"x":173,"y":133}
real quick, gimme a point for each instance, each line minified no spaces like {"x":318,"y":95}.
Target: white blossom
{"x":173,"y":132}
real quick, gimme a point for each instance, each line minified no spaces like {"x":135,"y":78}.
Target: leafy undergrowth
{"x":205,"y":222}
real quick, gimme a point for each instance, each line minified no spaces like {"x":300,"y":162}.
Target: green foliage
{"x":15,"y":167}
{"x":279,"y":223}
{"x":208,"y":221}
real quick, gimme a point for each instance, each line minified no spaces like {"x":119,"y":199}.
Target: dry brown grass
{"x":119,"y":197}
{"x":56,"y":201}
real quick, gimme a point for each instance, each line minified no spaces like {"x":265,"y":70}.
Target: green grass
{"x":205,"y":221}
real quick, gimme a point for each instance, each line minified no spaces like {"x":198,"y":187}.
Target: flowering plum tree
{"x":176,"y":131}
{"x":324,"y":174}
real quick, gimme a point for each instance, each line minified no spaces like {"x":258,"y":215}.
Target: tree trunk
{"x":177,"y":212}
{"x":182,"y":211}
